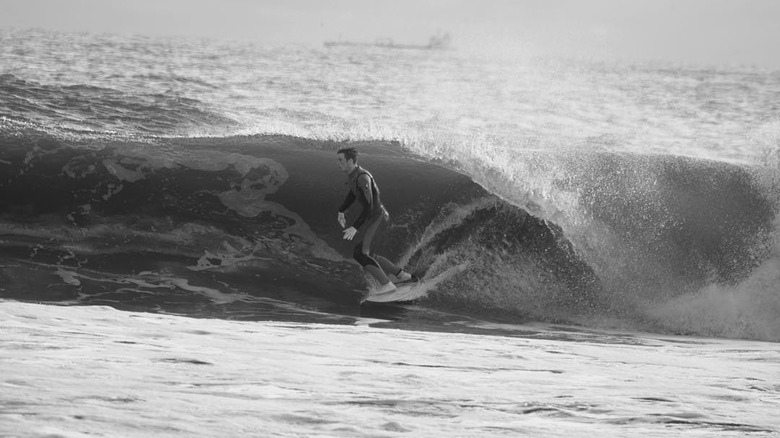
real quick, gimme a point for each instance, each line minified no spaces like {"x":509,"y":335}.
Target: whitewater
{"x":600,"y":242}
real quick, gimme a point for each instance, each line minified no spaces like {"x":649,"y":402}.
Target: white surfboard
{"x":404,"y":292}
{"x":414,"y":290}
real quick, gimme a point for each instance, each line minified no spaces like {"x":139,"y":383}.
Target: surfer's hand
{"x":342,"y":221}
{"x":349,"y":233}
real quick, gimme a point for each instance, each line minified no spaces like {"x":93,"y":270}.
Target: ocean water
{"x":95,"y":371}
{"x":198,"y":178}
{"x":644,"y":196}
{"x":637,"y":195}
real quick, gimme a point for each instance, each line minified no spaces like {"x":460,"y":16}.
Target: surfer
{"x":362,"y":187}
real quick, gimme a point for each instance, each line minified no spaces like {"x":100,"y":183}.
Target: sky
{"x":731,"y":32}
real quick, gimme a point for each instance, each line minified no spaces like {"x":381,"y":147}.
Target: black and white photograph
{"x":375,"y":218}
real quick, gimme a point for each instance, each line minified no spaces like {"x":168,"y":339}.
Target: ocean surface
{"x":198,"y":178}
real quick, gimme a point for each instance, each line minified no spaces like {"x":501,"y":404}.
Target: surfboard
{"x":415,"y":288}
{"x":404,"y":292}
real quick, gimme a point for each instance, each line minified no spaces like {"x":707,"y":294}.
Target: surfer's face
{"x":345,"y":165}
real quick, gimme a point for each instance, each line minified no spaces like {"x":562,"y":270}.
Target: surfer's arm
{"x":364,"y":185}
{"x":347,"y":202}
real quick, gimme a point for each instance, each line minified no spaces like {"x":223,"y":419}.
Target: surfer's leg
{"x":372,"y":267}
{"x":363,"y":250}
{"x":395,"y":273}
{"x":386,"y":265}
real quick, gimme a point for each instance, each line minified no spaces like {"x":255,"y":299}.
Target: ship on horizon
{"x":440,"y":41}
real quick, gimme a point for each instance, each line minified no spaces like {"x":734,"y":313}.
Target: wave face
{"x":244,"y":227}
{"x":248,"y":209}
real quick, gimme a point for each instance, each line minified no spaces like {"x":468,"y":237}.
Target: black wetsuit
{"x":374,"y":213}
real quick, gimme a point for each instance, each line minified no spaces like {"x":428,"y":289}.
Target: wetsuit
{"x":363,"y":188}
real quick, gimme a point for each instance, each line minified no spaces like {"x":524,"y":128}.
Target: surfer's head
{"x":347,"y":159}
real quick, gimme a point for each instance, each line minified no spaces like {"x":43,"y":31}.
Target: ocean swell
{"x":652,"y":242}
{"x":100,"y":111}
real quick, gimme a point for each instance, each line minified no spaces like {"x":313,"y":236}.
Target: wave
{"x":237,"y":226}
{"x":87,"y":110}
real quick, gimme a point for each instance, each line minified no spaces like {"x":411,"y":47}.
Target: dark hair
{"x":349,"y":154}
